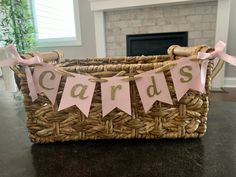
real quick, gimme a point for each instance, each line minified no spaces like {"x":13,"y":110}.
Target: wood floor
{"x":228,"y":94}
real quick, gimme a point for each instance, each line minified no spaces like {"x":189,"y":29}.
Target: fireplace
{"x":154,"y":44}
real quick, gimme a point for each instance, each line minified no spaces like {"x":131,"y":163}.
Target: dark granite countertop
{"x":214,"y":155}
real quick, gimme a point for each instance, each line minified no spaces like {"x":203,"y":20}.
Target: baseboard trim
{"x":230,"y":82}
{"x":217,"y":89}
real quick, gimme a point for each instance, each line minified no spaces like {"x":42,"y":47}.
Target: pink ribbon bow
{"x":218,"y":53}
{"x":14,"y":58}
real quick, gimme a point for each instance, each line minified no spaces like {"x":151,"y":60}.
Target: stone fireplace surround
{"x":198,"y":19}
{"x":207,"y":21}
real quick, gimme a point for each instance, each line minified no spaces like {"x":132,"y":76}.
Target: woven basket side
{"x":113,"y":60}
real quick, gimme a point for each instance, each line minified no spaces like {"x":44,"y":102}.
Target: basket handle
{"x":175,"y":51}
{"x":53,"y":56}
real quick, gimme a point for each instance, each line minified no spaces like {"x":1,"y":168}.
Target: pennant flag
{"x":186,"y":75}
{"x":47,"y":80}
{"x":115,"y":93}
{"x":152,"y":87}
{"x":78,"y":91}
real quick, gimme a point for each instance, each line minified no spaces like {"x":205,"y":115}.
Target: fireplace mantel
{"x":100,"y":6}
{"x":103,"y":5}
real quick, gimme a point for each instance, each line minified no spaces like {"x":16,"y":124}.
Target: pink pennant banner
{"x":186,"y":75}
{"x":115,"y":94}
{"x":78,"y":91}
{"x":13,"y":58}
{"x":152,"y":87}
{"x":47,"y":80}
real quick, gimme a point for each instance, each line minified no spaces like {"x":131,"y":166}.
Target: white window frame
{"x":59,"y":42}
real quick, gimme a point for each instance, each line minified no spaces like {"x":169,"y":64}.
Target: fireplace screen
{"x":154,"y":44}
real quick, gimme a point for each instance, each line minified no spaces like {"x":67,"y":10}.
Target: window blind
{"x":54,"y":19}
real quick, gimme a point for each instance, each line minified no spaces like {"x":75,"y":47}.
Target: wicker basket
{"x":184,"y":119}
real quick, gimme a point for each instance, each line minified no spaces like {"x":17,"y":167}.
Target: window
{"x":56,"y":22}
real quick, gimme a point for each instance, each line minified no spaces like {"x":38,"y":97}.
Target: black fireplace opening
{"x":154,"y":44}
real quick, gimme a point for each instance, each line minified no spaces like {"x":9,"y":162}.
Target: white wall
{"x":88,"y":48}
{"x":231,"y":70}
